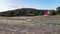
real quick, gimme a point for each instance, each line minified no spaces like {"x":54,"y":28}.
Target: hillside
{"x":24,"y":12}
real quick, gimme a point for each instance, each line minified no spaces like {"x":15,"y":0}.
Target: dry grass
{"x":23,"y":27}
{"x":28,"y":28}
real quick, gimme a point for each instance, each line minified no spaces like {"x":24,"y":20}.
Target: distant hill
{"x":23,"y":12}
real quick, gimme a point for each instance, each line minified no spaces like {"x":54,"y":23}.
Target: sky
{"x":37,"y":4}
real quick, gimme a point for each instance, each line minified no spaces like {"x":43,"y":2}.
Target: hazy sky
{"x":38,"y":4}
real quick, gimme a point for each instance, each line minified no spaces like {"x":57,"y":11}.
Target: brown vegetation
{"x":25,"y":28}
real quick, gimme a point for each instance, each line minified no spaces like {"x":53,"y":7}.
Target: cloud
{"x":4,"y":5}
{"x":13,"y":4}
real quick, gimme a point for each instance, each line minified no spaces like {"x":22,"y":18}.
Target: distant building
{"x":46,"y":13}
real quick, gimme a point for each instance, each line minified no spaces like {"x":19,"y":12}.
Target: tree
{"x":52,"y":12}
{"x":58,"y":10}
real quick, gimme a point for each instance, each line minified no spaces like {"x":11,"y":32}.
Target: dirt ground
{"x":25,"y":28}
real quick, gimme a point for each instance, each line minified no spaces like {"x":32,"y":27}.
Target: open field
{"x":35,"y":19}
{"x":19,"y":25}
{"x":29,"y":28}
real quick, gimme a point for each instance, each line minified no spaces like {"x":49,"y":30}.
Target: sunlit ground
{"x":19,"y":26}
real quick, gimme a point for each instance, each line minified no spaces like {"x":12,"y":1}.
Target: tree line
{"x":28,"y":12}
